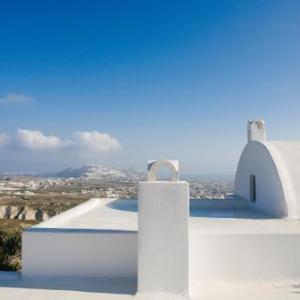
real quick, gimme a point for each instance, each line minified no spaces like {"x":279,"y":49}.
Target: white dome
{"x":268,"y":176}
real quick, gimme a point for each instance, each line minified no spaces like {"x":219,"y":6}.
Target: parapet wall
{"x":79,"y":253}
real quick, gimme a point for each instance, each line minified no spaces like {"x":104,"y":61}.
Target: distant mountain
{"x":99,"y":172}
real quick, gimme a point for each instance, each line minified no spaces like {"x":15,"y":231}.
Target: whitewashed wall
{"x":79,"y":252}
{"x":244,"y":256}
{"x":257,"y":160}
{"x":163,"y":241}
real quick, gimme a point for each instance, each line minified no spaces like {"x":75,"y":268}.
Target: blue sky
{"x":121,"y":82}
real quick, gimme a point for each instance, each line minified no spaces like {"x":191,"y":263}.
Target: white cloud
{"x":36,"y":140}
{"x":83,"y":141}
{"x":16,"y":98}
{"x":95,"y":141}
{"x":4,"y":139}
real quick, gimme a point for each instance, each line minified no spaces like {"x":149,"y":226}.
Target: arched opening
{"x":162,"y":168}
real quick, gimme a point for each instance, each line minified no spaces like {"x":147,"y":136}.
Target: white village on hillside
{"x":166,"y":246}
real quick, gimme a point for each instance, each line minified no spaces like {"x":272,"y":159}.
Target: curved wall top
{"x":276,"y":167}
{"x":155,"y":165}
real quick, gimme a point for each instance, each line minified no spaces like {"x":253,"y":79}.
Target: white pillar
{"x":256,"y":130}
{"x":163,"y":235}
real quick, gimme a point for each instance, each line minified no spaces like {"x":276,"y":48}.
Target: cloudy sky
{"x":121,"y":82}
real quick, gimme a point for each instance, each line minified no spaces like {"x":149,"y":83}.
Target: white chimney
{"x":163,"y":236}
{"x":256,"y":130}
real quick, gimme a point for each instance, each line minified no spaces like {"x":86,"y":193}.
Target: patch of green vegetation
{"x":10,"y":243}
{"x":50,"y":202}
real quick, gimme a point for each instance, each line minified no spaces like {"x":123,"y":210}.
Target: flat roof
{"x":121,"y":215}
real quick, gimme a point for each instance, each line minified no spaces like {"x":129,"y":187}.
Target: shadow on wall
{"x":296,"y":286}
{"x":125,"y":286}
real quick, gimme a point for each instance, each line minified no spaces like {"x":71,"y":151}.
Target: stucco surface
{"x":286,"y":155}
{"x":226,"y":244}
{"x":275,"y":165}
{"x":98,"y":238}
{"x":163,"y":237}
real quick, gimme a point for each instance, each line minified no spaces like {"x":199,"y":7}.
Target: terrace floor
{"x":121,"y":214}
{"x":12,"y":287}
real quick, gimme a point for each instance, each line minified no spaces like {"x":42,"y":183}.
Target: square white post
{"x":163,"y":234}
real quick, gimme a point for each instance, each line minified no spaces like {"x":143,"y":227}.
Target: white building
{"x":244,"y":247}
{"x":268,"y":174}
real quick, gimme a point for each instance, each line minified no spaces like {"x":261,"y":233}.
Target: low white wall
{"x":244,"y":257}
{"x":79,"y":253}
